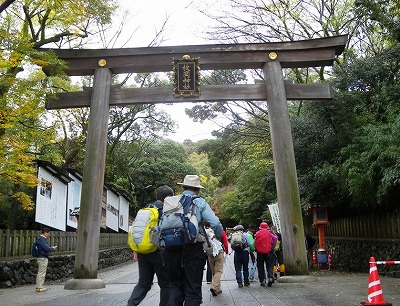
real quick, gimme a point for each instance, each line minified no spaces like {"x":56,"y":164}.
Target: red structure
{"x":320,"y":221}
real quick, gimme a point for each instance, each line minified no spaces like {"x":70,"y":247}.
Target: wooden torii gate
{"x":271,"y":57}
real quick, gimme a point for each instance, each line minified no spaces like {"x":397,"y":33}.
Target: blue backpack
{"x":178,"y":224}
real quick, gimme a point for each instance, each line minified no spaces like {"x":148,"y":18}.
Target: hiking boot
{"x":262,"y":283}
{"x":247,"y":284}
{"x":240,"y":285}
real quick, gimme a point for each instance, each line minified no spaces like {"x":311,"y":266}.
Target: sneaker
{"x":240,"y":285}
{"x":213,"y":292}
{"x":262,"y":283}
{"x":208,"y":282}
{"x":270,"y":281}
{"x":41,"y":289}
{"x":247,"y":284}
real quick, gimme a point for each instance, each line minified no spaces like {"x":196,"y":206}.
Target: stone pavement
{"x":331,"y":288}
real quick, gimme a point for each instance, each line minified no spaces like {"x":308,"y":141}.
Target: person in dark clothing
{"x":43,"y":258}
{"x":278,"y":252}
{"x":241,"y":258}
{"x":310,"y":242}
{"x":153,"y":263}
{"x":208,"y":269}
{"x":187,"y":263}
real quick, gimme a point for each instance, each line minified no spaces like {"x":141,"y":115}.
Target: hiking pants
{"x":150,"y":264}
{"x":241,"y":261}
{"x":269,"y":261}
{"x":217,"y":268}
{"x":187,"y":266}
{"x":41,"y":274}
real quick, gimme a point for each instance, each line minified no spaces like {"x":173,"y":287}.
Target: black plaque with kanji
{"x":186,"y":77}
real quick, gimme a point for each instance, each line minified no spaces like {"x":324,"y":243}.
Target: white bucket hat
{"x":191,"y":180}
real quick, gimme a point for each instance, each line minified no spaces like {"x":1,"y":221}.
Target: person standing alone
{"x":43,"y":258}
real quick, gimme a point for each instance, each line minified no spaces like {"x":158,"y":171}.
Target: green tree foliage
{"x":344,"y":148}
{"x":246,"y":177}
{"x":148,"y":162}
{"x":25,"y":130}
{"x":385,"y":12}
{"x":370,"y":165}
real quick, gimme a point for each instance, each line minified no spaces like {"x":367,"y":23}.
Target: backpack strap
{"x":187,"y":202}
{"x":157,"y":205}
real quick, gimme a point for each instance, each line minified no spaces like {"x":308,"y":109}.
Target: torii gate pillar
{"x":87,"y":250}
{"x":285,"y":171}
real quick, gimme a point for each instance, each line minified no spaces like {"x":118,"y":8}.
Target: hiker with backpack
{"x":150,"y":262}
{"x":182,"y":235}
{"x":240,"y":243}
{"x":264,"y":242}
{"x":215,"y":250}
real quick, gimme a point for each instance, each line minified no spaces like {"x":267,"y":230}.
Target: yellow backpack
{"x":144,"y":235}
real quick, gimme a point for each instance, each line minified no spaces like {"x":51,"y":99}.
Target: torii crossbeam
{"x":271,"y":57}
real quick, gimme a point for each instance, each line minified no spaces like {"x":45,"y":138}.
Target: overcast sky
{"x":184,"y":27}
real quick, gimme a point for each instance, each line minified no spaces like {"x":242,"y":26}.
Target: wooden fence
{"x":18,"y":243}
{"x":382,"y":227}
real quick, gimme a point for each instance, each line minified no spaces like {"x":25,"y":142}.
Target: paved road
{"x":331,"y":288}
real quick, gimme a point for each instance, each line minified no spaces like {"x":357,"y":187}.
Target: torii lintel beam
{"x":295,"y":54}
{"x":215,"y":93}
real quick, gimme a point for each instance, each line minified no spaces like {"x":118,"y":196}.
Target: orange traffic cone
{"x":375,"y":295}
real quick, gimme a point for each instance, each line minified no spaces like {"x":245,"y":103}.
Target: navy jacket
{"x":44,"y":248}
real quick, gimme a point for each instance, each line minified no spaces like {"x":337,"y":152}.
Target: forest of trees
{"x":346,"y":149}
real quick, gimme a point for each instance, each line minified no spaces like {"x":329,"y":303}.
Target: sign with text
{"x":274,"y":212}
{"x":74,"y":200}
{"x":123,"y":214}
{"x":112,"y":212}
{"x":51,"y":200}
{"x":186,"y":77}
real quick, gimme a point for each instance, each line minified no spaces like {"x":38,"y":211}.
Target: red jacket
{"x":224,"y":240}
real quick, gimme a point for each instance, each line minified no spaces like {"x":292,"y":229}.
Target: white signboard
{"x":123,"y":214}
{"x":274,"y":212}
{"x":74,"y":200}
{"x":51,"y":200}
{"x":112,"y":212}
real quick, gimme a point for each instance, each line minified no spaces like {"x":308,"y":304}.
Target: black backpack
{"x":35,"y":249}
